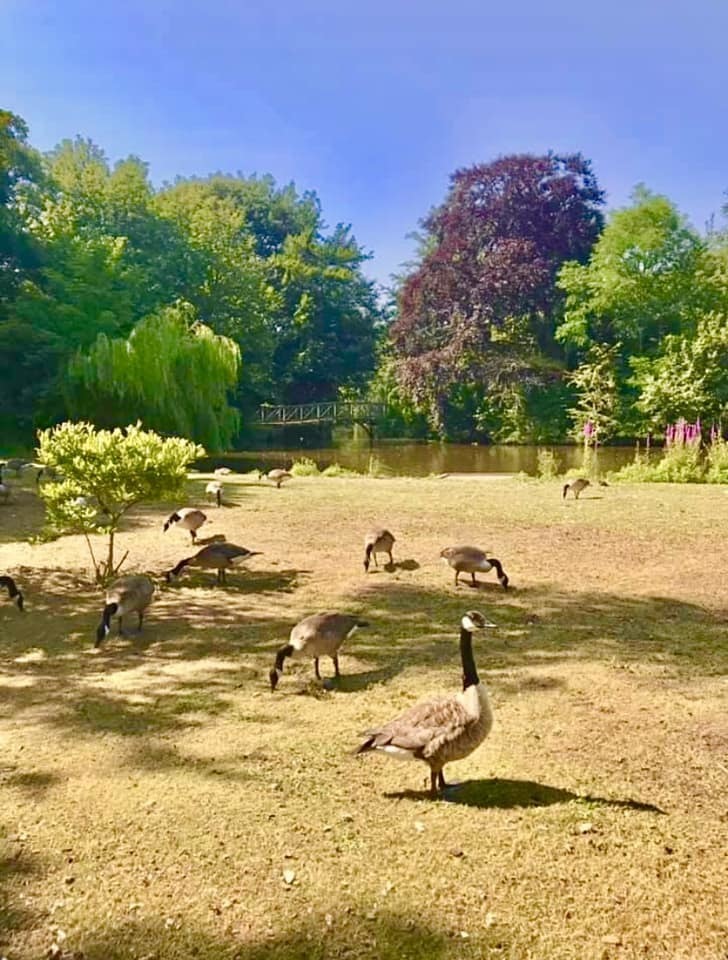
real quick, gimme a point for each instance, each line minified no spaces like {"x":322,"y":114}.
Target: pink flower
{"x":588,"y":429}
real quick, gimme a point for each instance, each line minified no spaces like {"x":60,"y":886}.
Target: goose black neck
{"x":470,"y":674}
{"x":109,"y":611}
{"x":180,"y":566}
{"x":282,"y":654}
{"x":10,"y":584}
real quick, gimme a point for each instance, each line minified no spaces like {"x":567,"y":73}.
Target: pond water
{"x":404,"y":458}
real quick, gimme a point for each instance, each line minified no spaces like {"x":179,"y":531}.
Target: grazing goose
{"x":442,"y":729}
{"x":277,"y":476}
{"x":215,"y":556}
{"x":578,"y":485}
{"x":214,"y":491}
{"x":471,"y":559}
{"x":188,"y":518}
{"x":320,"y":635}
{"x":377,"y":541}
{"x":131,"y":594}
{"x":13,"y":592}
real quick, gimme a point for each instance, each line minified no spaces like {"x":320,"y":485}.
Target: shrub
{"x":717,"y":457}
{"x":547,"y":465}
{"x":305,"y":467}
{"x":336,"y":470}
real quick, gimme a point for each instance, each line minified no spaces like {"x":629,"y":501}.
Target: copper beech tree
{"x":480,"y":304}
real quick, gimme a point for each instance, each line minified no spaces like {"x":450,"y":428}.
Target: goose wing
{"x":420,"y":730}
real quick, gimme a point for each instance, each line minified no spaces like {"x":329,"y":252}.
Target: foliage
{"x":305,"y":467}
{"x":689,"y":377}
{"x":106,"y":473}
{"x":480,"y":307}
{"x":717,"y":461}
{"x":682,"y":461}
{"x":547,"y":464}
{"x":173,"y":372}
{"x":595,"y":413}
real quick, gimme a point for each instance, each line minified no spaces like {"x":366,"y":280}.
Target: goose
{"x":442,"y":729}
{"x":320,"y":635}
{"x":130,"y":594}
{"x":222,"y":471}
{"x":188,"y":518}
{"x":471,"y":559}
{"x":214,"y":491}
{"x":377,"y":541}
{"x":276,"y":476}
{"x":579,"y":485}
{"x":215,"y":556}
{"x":13,"y":592}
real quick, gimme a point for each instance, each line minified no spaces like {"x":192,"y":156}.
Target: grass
{"x":159,"y":802}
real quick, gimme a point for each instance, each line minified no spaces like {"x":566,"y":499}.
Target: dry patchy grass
{"x":153,"y":795}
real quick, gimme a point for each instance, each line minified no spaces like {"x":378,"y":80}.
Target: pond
{"x":405,"y":458}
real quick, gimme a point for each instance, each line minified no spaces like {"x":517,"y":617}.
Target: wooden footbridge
{"x":363,"y":413}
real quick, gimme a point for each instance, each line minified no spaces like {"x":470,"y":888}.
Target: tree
{"x":649,"y":276}
{"x":106,"y":473}
{"x":689,"y":378}
{"x":595,"y":382}
{"x":172,"y":372}
{"x":480,"y":307}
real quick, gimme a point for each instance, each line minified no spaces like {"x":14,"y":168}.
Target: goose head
{"x":474,"y":620}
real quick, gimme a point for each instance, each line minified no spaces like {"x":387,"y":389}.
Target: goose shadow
{"x":507,"y":794}
{"x":354,"y":682}
{"x":407,"y":565}
{"x":486,"y":586}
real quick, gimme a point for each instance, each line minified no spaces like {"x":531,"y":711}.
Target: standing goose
{"x":443,"y":729}
{"x":13,"y":592}
{"x":131,"y":594}
{"x":377,"y":541}
{"x":471,"y":560}
{"x":188,"y":518}
{"x":215,"y":556}
{"x":320,"y":635}
{"x":277,"y":476}
{"x":214,"y":491}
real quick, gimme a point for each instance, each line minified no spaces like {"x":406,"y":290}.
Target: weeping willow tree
{"x":172,"y":373}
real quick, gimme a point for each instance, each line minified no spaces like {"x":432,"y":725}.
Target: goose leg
{"x":194,"y":536}
{"x":335,"y":658}
{"x":433,"y":785}
{"x":441,"y":780}
{"x":374,"y":554}
{"x":121,"y":631}
{"x":475,"y":582}
{"x":219,"y":576}
{"x":316,"y":668}
{"x":391,"y":560}
{"x":457,"y":574}
{"x":223,"y":572}
{"x":141,"y":621}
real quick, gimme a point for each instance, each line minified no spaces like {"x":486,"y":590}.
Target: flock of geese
{"x":435,"y":731}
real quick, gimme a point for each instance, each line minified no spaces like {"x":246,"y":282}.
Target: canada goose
{"x":222,"y":471}
{"x":377,"y":541}
{"x":320,"y":635}
{"x":471,"y":559}
{"x":214,"y":491}
{"x":130,"y":594}
{"x":277,"y":476}
{"x":579,"y":485}
{"x":215,"y":556}
{"x":442,"y":729}
{"x":13,"y":592}
{"x":188,"y":518}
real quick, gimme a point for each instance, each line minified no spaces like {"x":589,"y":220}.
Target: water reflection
{"x":422,"y":459}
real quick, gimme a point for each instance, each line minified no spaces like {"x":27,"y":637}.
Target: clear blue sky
{"x":373,"y":104}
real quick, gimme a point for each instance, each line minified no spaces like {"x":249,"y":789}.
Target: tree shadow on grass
{"x":507,"y":794}
{"x":35,"y":783}
{"x":383,"y":937}
{"x":14,"y":869}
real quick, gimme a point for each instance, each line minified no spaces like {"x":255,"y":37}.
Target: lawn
{"x":159,"y":802}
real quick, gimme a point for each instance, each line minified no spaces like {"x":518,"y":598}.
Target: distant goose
{"x":215,"y":556}
{"x":214,"y":491}
{"x":188,"y":518}
{"x":471,"y":560}
{"x":276,"y":476}
{"x":222,"y":471}
{"x":443,"y":729}
{"x":377,"y":541}
{"x":320,"y":635}
{"x":131,"y":594}
{"x":13,"y":592}
{"x":579,"y":485}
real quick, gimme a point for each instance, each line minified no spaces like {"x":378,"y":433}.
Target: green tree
{"x":689,"y":378}
{"x":106,"y":473}
{"x":595,"y":415}
{"x":172,"y":372}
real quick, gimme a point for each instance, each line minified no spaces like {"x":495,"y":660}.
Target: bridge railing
{"x":332,"y":412}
